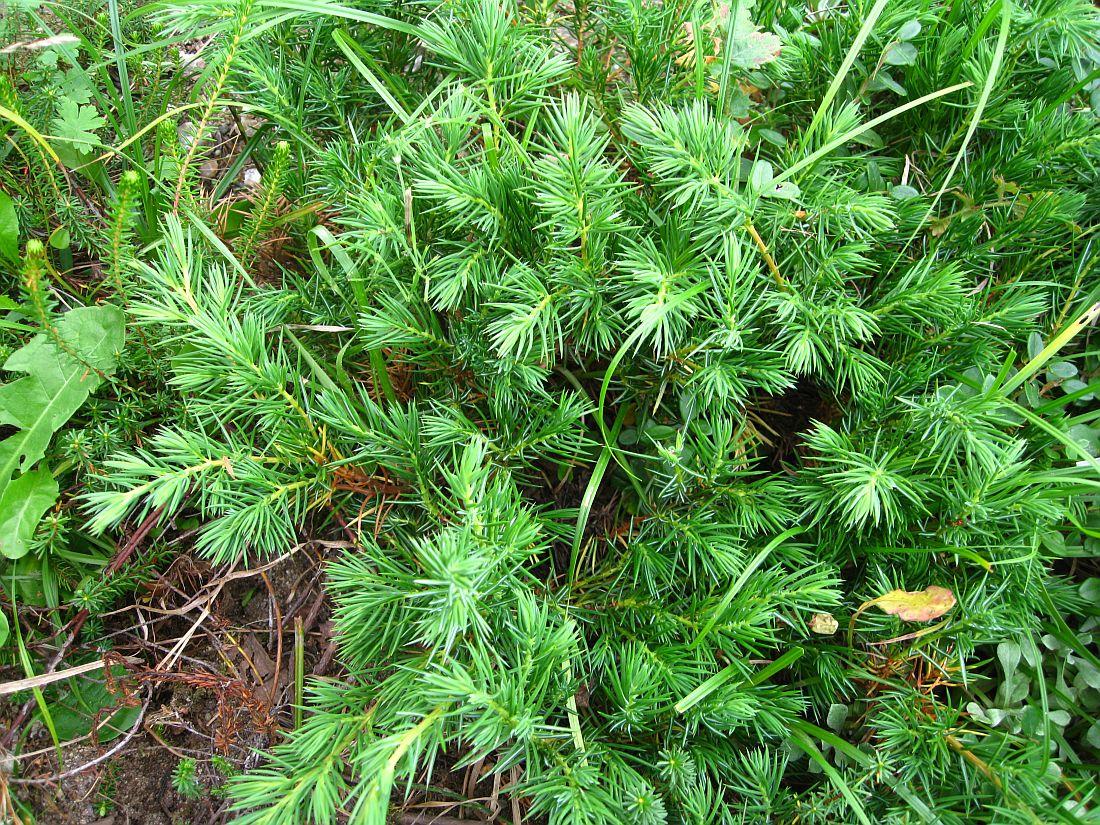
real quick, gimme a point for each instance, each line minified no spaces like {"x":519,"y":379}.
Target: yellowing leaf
{"x":824,"y":624}
{"x":917,"y":605}
{"x":748,"y":47}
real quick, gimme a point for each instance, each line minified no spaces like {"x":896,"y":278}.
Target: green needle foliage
{"x":640,"y":345}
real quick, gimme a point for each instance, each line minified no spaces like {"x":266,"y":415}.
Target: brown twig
{"x":278,"y":643}
{"x":767,"y":256}
{"x":326,"y":658}
{"x":343,"y":525}
{"x":44,"y":679}
{"x":123,"y":555}
{"x":77,"y":623}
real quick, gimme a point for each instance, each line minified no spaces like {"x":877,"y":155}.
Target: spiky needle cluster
{"x":647,"y":343}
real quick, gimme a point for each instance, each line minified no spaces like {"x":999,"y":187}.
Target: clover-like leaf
{"x":77,"y":124}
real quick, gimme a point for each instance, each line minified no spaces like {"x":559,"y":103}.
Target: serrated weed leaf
{"x":57,"y":382}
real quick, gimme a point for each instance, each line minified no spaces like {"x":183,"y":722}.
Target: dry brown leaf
{"x":917,"y":605}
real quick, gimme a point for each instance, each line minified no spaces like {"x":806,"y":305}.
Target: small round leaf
{"x":902,"y":192}
{"x":901,"y":54}
{"x":909,"y":30}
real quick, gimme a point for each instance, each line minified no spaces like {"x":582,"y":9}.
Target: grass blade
{"x":751,"y":568}
{"x":842,"y":73}
{"x":851,"y":134}
{"x":805,"y":744}
{"x":356,"y":56}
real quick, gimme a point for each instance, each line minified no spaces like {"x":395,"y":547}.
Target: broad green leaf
{"x":1060,"y":718}
{"x":84,"y":704}
{"x":77,"y":87}
{"x":869,"y":138}
{"x":28,"y":576}
{"x":1035,"y":345}
{"x":60,"y":238}
{"x":1093,"y":735}
{"x":5,"y":630}
{"x":1076,"y":385}
{"x":838,"y":715}
{"x":9,"y":228}
{"x":1009,"y":655}
{"x":1061,"y":370}
{"x":773,"y":137}
{"x":1087,"y":675}
{"x":786,"y":190}
{"x":56,"y":384}
{"x":1090,"y":591}
{"x":660,"y":431}
{"x":22,"y":505}
{"x":883,"y":80}
{"x":48,"y":59}
{"x":762,"y":174}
